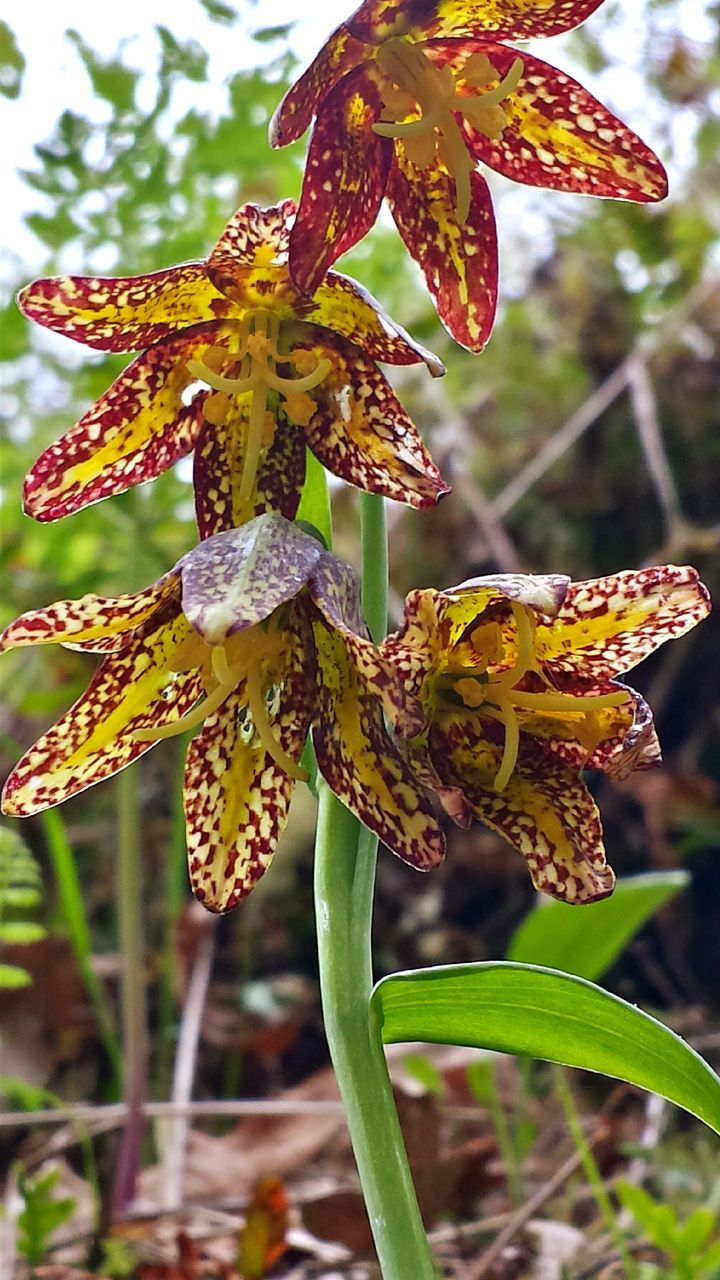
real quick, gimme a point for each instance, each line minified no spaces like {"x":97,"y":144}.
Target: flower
{"x":510,"y":690}
{"x":408,"y":96}
{"x":280,"y":372}
{"x":254,"y":634}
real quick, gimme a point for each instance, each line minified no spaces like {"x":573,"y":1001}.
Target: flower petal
{"x":236,"y":796}
{"x":132,"y":689}
{"x":459,"y":261}
{"x":340,"y":54}
{"x":238,"y":578}
{"x":250,"y":260}
{"x":559,"y":136}
{"x":124,"y":314}
{"x":361,"y":432}
{"x":345,"y":306}
{"x":606,"y":626}
{"x":625,"y":734}
{"x":345,"y":175}
{"x":506,"y":19}
{"x":359,"y":763}
{"x":135,"y":431}
{"x":97,"y":623}
{"x":218,"y":469}
{"x":545,"y":810}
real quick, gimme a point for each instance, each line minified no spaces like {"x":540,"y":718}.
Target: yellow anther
{"x":215,"y":408}
{"x":471,"y":692}
{"x":299,"y":407}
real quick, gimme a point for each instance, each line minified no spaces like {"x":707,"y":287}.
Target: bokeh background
{"x":585,"y":439}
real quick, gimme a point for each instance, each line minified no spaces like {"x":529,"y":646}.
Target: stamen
{"x":263,"y":728}
{"x":555,"y":702}
{"x":191,"y":718}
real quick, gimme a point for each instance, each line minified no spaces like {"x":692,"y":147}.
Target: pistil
{"x":497,"y":697}
{"x":257,"y":356}
{"x":415,"y":84}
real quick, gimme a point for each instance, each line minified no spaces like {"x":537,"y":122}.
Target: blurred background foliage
{"x":585,"y":439}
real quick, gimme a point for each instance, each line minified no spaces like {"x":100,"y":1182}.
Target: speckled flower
{"x":510,"y":691}
{"x":409,"y":95}
{"x":278,"y":371}
{"x":254,"y":634}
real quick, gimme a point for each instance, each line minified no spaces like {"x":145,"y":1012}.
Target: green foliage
{"x":521,"y":1009}
{"x":12,"y":63}
{"x":687,"y":1244}
{"x":41,"y":1214}
{"x":20,"y":895}
{"x":586,"y":940}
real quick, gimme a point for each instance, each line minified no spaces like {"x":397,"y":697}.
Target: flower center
{"x":417,"y":88}
{"x":497,"y":695}
{"x":222,"y":667}
{"x":253,"y":369}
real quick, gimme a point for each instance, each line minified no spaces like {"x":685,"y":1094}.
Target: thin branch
{"x":644,"y":406}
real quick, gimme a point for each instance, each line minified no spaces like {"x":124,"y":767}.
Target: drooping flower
{"x":510,"y":691}
{"x":255,"y":634}
{"x":279,"y":372}
{"x":409,"y":95}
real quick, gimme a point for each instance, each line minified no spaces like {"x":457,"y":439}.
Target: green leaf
{"x":12,"y":63}
{"x":315,"y":500}
{"x":541,"y":1013}
{"x":586,"y":940}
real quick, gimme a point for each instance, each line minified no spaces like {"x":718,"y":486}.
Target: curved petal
{"x":361,"y":432}
{"x":626,"y":739}
{"x":559,"y":136}
{"x":238,"y":578}
{"x":345,"y":175}
{"x":97,"y":623}
{"x":250,"y":260}
{"x":505,"y":19}
{"x":546,"y":812}
{"x":339,"y":55}
{"x":218,"y":468}
{"x":236,"y":796}
{"x":607,"y":625}
{"x":135,"y":431}
{"x":346,"y":307}
{"x":124,"y":314}
{"x":132,"y":689}
{"x":459,"y":261}
{"x":358,"y":761}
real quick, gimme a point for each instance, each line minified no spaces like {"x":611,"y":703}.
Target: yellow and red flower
{"x":409,"y":95}
{"x":510,"y":691}
{"x":280,"y":372}
{"x":255,"y":634}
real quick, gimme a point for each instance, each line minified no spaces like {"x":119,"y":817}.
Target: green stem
{"x":134,"y":1016}
{"x":345,"y":858}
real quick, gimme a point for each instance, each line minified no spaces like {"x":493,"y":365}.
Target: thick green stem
{"x":134,"y":1016}
{"x":345,"y":858}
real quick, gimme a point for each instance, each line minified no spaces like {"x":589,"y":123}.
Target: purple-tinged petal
{"x":345,"y":176}
{"x":340,"y":54}
{"x":458,"y":260}
{"x":127,"y":313}
{"x":361,"y":432}
{"x":236,"y":795}
{"x":238,"y":578}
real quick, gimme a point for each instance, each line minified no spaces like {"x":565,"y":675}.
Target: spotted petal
{"x":132,"y":689}
{"x":458,"y":260}
{"x":607,"y":625}
{"x":97,"y":623}
{"x":127,"y":313}
{"x":343,"y":305}
{"x":506,"y":19}
{"x":345,"y":176}
{"x":236,"y":796}
{"x":135,"y":431}
{"x":627,"y":741}
{"x":545,"y":810}
{"x":339,"y":55}
{"x":361,"y":432}
{"x":240,"y":577}
{"x":559,"y":136}
{"x":218,"y":469}
{"x":359,"y":763}
{"x":250,"y":260}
